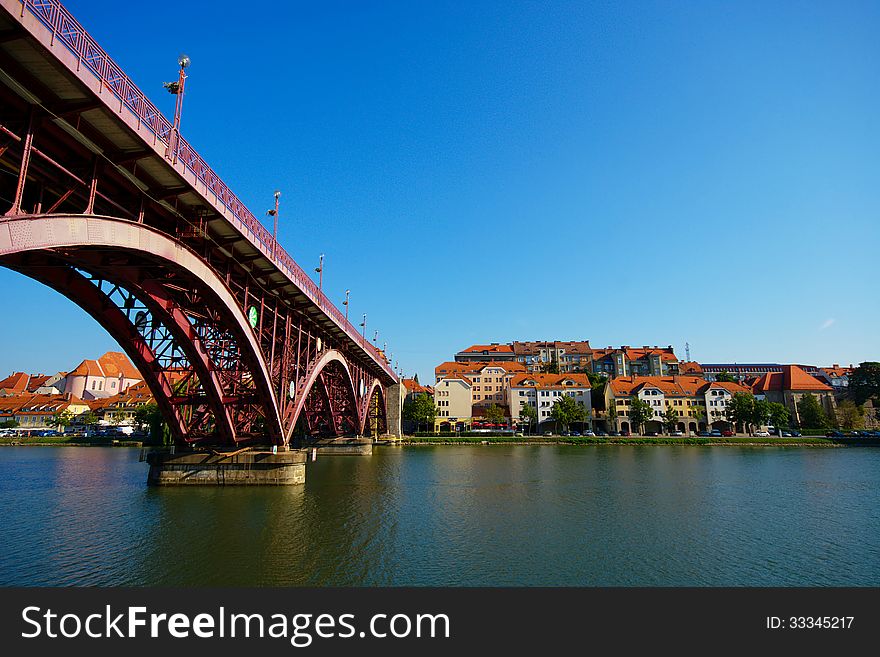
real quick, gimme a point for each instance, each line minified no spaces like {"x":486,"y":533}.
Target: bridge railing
{"x":68,"y":31}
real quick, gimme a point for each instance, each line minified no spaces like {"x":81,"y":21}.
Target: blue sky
{"x":628,"y":173}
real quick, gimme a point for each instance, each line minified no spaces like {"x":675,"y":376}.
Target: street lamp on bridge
{"x":345,"y":303}
{"x":176,"y":88}
{"x":274,"y":214}
{"x":364,"y":327}
{"x":320,"y":270}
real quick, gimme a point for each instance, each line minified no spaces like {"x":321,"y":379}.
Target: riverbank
{"x":67,"y":441}
{"x":732,"y":441}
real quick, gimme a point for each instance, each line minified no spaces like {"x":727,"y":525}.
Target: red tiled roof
{"x":549,"y":381}
{"x":477,"y":367}
{"x":490,"y":348}
{"x":791,"y":377}
{"x":115,"y":363}
{"x":16,"y":382}
{"x":412,"y":385}
{"x":671,"y":386}
{"x":689,"y":367}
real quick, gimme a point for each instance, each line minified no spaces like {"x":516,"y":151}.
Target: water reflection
{"x":453,"y":516}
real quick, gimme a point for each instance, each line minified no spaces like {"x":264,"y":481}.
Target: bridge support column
{"x":394,"y":396}
{"x":251,"y":468}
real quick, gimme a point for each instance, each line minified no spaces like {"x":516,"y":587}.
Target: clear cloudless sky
{"x":624,"y":172}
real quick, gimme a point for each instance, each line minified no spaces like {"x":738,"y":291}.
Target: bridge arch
{"x":56,"y":249}
{"x":373,"y":408}
{"x":329,"y":377}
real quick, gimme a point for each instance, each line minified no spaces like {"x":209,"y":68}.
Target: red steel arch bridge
{"x":103,"y":201}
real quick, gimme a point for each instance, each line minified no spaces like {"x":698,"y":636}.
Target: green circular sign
{"x":253,"y":316}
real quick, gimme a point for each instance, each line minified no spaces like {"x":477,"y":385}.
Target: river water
{"x":453,"y":516}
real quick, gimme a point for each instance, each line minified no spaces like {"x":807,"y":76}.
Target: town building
{"x":745,"y":371}
{"x":109,"y":375}
{"x":836,"y":376}
{"x":453,"y":400}
{"x":699,"y":404}
{"x":541,"y":391}
{"x":486,"y":352}
{"x":120,"y":409}
{"x":790,"y":385}
{"x":32,"y":411}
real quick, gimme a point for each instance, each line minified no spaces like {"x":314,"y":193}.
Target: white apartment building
{"x":540,"y":391}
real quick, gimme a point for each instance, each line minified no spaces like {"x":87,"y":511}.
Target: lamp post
{"x":274,"y":214}
{"x":345,"y":303}
{"x":364,"y":327}
{"x":376,"y":338}
{"x":176,"y":88}
{"x":320,"y":270}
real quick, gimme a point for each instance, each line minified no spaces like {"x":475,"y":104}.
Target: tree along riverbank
{"x":623,"y":440}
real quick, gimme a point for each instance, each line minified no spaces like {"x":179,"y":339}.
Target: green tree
{"x":611,"y":412}
{"x":850,"y":415}
{"x":420,"y":410}
{"x":741,"y":410}
{"x":760,"y":412}
{"x":864,"y":382}
{"x":529,"y":414}
{"x":495,"y":414}
{"x":88,"y":419}
{"x":553,"y":368}
{"x":639,"y":413}
{"x":780,"y":417}
{"x":8,"y":424}
{"x":812,"y":414}
{"x":670,"y":419}
{"x":61,"y":420}
{"x":725,"y":377}
{"x":566,"y":411}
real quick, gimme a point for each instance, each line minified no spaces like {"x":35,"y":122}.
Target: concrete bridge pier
{"x":253,"y":467}
{"x":394,"y":397}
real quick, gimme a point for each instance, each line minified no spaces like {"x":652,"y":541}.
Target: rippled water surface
{"x":457,"y":516}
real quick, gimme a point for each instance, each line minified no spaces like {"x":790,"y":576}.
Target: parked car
{"x":715,"y":433}
{"x":601,"y":433}
{"x":786,"y":434}
{"x":565,"y":433}
{"x":762,"y":434}
{"x":795,"y":434}
{"x":575,"y":433}
{"x":652,"y":433}
{"x":548,"y":433}
{"x":727,"y":433}
{"x":834,"y":434}
{"x":518,"y":433}
{"x":589,"y":432}
{"x":613,"y":433}
{"x":625,"y":433}
{"x":703,"y":434}
{"x":677,"y":433}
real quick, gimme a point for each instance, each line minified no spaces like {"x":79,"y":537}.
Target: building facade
{"x":541,"y":391}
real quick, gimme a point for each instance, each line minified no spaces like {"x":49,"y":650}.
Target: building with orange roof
{"x":14,"y":384}
{"x":699,"y":404}
{"x":577,"y":356}
{"x":32,"y":411}
{"x":486,"y":352}
{"x":476,"y":368}
{"x":109,"y":375}
{"x":541,"y":391}
{"x":120,"y":409}
{"x":790,"y":385}
{"x":836,"y":376}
